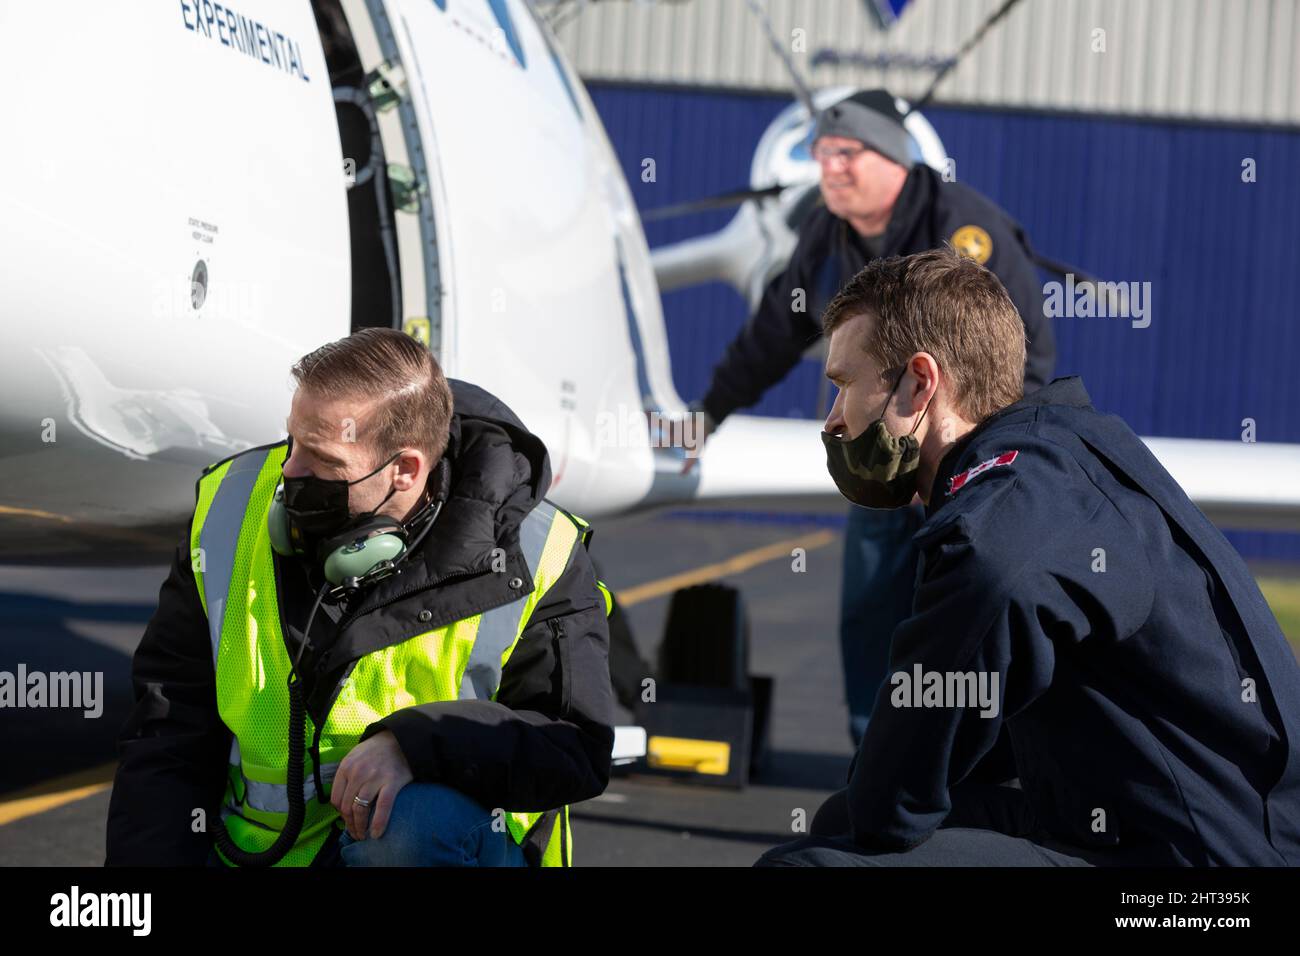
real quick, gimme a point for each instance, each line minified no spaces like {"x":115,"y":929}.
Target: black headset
{"x":367,"y":551}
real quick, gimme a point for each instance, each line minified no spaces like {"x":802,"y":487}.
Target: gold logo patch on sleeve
{"x":973,"y":243}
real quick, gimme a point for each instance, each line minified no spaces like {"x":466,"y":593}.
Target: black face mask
{"x":317,"y":508}
{"x":876,"y":470}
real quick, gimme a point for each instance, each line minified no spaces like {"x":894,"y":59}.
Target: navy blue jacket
{"x":1153,"y":707}
{"x":927,"y":213}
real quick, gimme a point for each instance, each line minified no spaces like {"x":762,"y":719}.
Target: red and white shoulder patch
{"x":957,"y":482}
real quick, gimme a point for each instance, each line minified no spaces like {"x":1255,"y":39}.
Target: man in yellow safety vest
{"x":378,"y":644}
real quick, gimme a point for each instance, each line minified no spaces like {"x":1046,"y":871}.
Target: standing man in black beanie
{"x":877,"y":201}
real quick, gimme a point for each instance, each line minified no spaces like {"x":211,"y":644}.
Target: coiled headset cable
{"x":295,"y":771}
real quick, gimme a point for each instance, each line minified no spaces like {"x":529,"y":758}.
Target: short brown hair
{"x":947,"y":305}
{"x":414,"y":402}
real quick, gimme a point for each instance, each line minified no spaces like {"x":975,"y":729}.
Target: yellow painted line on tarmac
{"x":33,"y":513}
{"x":735,"y":565}
{"x":51,"y":794}
{"x":108,"y":532}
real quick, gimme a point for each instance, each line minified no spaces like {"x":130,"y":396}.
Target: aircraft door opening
{"x":376,"y":271}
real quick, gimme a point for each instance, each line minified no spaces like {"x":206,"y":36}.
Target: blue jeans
{"x":880,"y":565}
{"x":430,"y":825}
{"x":433,"y":825}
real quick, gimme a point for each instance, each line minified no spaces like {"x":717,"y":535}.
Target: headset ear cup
{"x":277,"y":524}
{"x":358,"y":551}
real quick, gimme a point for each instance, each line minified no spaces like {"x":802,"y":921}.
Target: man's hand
{"x":688,"y":433}
{"x":374,"y":770}
{"x":693,"y":432}
{"x":704,"y":427}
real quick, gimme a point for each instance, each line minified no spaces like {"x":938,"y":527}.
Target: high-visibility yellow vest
{"x":235,"y":573}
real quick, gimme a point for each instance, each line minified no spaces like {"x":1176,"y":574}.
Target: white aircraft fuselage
{"x":177,"y":233}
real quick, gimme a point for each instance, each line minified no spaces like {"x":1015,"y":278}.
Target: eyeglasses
{"x":824,"y":154}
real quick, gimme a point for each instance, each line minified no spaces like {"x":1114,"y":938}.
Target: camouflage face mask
{"x":876,"y":470}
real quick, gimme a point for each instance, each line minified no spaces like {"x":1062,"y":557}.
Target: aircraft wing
{"x":1245,"y":485}
{"x":1249,"y":485}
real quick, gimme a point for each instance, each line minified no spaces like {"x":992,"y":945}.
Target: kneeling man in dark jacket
{"x":1077,"y":620}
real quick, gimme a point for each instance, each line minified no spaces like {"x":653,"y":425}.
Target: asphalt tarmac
{"x":57,"y":775}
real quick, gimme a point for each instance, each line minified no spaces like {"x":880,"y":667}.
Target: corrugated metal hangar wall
{"x":1136,"y":179}
{"x":1209,"y":59}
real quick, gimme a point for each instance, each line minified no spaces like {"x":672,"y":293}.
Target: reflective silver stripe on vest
{"x":274,"y":797}
{"x":220,"y":536}
{"x":499,"y":627}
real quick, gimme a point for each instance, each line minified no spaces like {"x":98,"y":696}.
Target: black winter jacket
{"x":544,"y":742}
{"x":928,"y":213}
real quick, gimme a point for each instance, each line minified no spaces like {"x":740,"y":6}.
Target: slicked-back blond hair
{"x":413,"y":400}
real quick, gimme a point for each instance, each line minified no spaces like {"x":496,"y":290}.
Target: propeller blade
{"x":721,"y":201}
